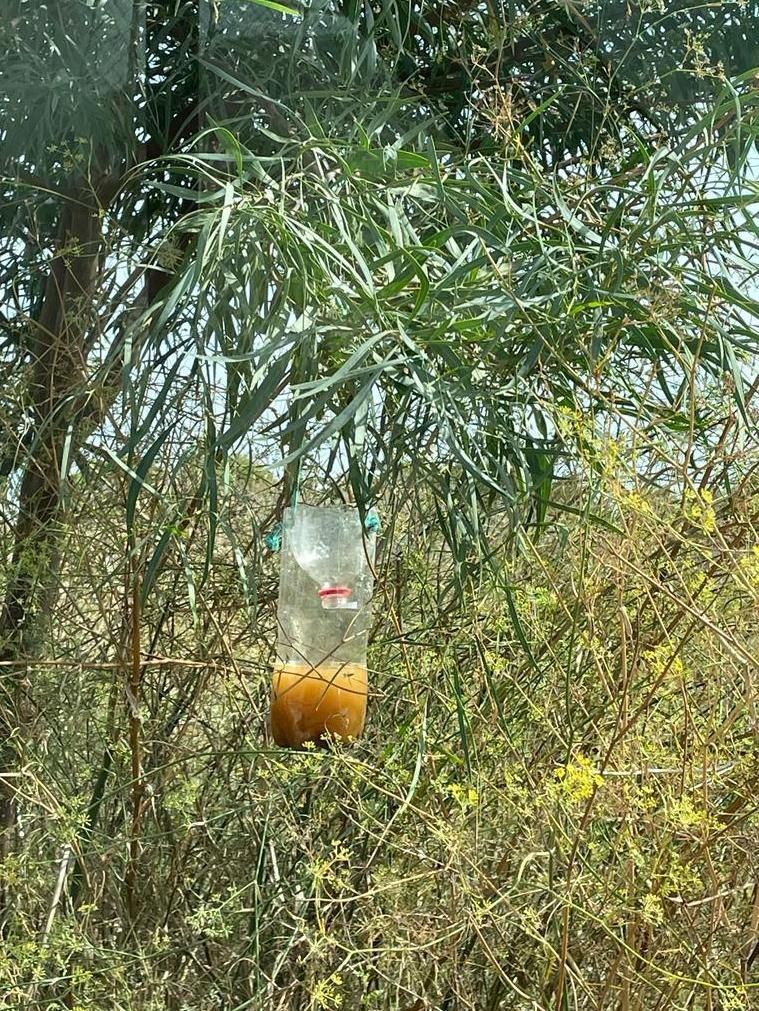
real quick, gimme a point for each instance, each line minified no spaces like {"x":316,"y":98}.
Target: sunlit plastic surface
{"x":328,"y":544}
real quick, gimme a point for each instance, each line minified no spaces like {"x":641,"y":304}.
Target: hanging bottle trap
{"x":319,"y":685}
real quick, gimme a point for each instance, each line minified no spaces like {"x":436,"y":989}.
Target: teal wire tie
{"x":372,"y":523}
{"x":273,"y":540}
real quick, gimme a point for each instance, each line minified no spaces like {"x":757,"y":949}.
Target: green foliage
{"x":584,"y":804}
{"x":488,"y":268}
{"x":339,"y":268}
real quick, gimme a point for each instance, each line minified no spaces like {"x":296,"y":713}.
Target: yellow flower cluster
{"x":699,"y":509}
{"x":467,"y":797}
{"x":750,"y":566}
{"x":579,"y":779}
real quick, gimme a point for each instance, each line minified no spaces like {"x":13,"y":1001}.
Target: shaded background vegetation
{"x":488,"y":268}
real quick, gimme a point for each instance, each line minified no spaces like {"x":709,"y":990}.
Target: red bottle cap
{"x":335,"y":591}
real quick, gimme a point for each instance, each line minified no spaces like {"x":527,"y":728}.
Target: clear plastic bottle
{"x":319,"y":686}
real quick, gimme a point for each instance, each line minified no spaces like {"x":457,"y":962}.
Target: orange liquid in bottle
{"x":309,"y":704}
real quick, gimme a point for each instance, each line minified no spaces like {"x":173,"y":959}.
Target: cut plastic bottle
{"x":319,"y":685}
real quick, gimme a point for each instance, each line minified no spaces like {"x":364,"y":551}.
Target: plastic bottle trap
{"x":319,"y":686}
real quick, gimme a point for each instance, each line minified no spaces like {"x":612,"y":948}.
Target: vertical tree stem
{"x":134,"y":693}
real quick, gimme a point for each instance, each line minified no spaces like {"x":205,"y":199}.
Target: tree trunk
{"x":63,"y":336}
